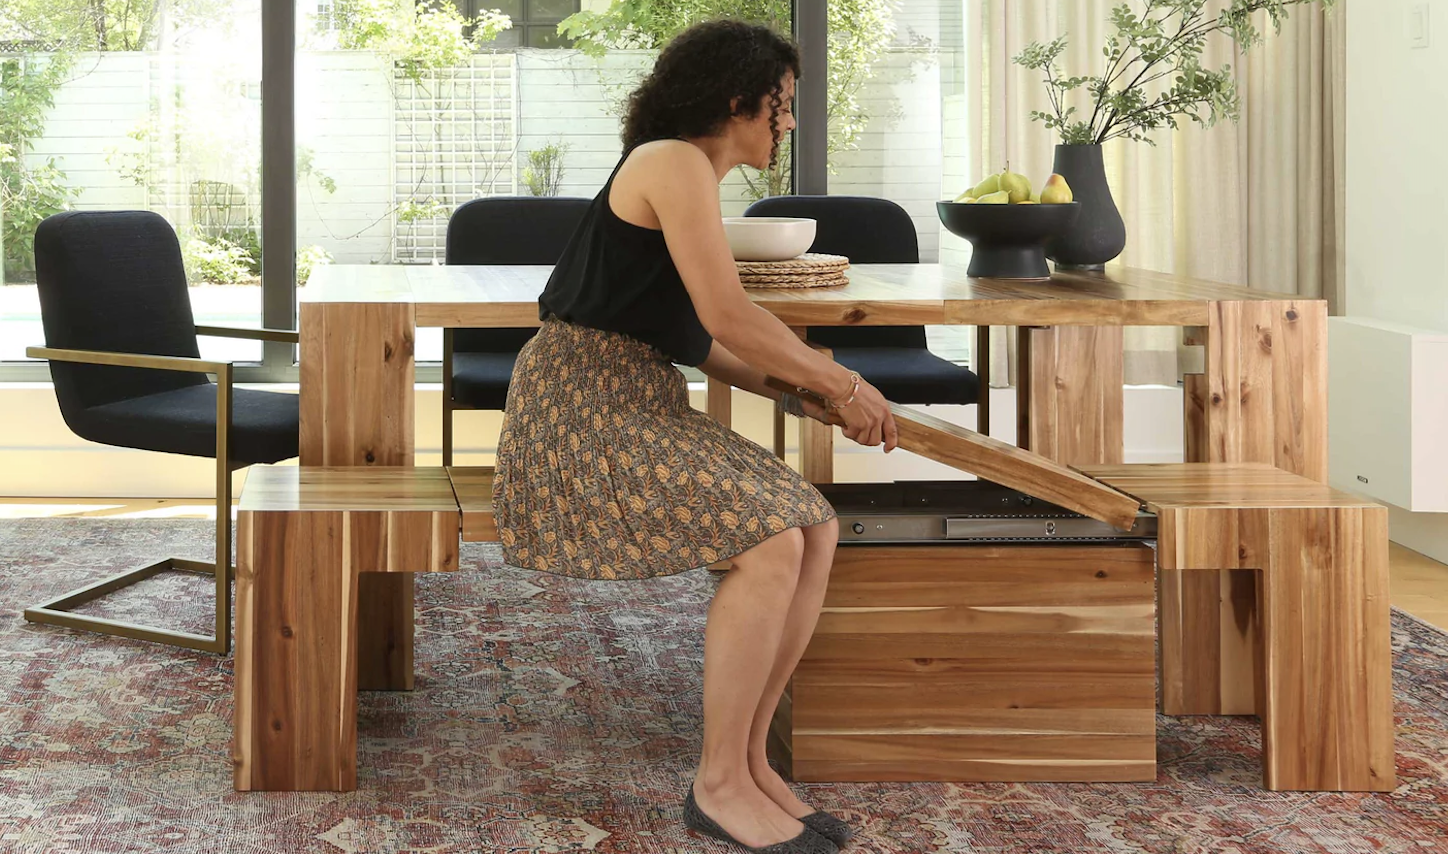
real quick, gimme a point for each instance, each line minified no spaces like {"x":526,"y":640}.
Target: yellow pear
{"x":1000,"y":197}
{"x":1056,"y":191}
{"x":1028,"y":202}
{"x":986,"y":187}
{"x":968,"y":195}
{"x":1018,"y":185}
{"x":968,"y":200}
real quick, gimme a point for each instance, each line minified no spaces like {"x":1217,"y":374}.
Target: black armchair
{"x":121,"y":340}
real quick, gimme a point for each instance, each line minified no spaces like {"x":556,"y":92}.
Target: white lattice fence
{"x":455,"y":138}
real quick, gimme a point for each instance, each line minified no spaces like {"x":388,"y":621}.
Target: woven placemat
{"x":823,"y":280}
{"x":810,"y":262}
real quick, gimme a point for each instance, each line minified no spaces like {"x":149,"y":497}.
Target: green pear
{"x":1056,"y":191}
{"x":1018,"y":185}
{"x":1035,"y":196}
{"x":967,"y":196}
{"x":1000,"y":197}
{"x":986,"y":187}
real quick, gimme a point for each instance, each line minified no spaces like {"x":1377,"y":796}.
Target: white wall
{"x":1397,"y":210}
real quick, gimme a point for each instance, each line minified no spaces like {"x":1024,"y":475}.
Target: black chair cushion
{"x":912,"y":375}
{"x":509,"y":230}
{"x":264,"y":424}
{"x":480,"y":380}
{"x":114,"y":281}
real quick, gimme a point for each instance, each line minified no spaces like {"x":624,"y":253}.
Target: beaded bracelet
{"x":854,"y":390}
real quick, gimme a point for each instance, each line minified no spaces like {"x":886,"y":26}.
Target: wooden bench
{"x":1320,"y":633}
{"x":305,"y":537}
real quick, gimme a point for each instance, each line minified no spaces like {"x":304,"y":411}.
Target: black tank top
{"x":619,"y":277}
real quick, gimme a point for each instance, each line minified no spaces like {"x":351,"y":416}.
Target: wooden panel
{"x":405,"y":542}
{"x":915,"y":769}
{"x":932,"y":690}
{"x":928,"y":575}
{"x":473,"y":486}
{"x":1074,"y":396}
{"x":1231,"y":486}
{"x":356,"y":384}
{"x":1327,"y":714}
{"x":1194,"y":418}
{"x":779,"y":744}
{"x":296,"y":626}
{"x":905,"y":621}
{"x":1046,"y":703}
{"x":1010,"y":466}
{"x":816,"y":440}
{"x":391,"y":488}
{"x":908,"y":746}
{"x":719,"y":401}
{"x":357,"y":409}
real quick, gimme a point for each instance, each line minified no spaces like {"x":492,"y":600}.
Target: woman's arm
{"x":678,"y":183}
{"x":726,"y":367}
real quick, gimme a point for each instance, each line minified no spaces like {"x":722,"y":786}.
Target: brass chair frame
{"x":58,"y":612}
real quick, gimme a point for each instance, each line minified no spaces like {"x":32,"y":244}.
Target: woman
{"x":605,"y":472}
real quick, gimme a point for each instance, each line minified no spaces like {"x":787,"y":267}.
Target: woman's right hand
{"x":868,"y":420}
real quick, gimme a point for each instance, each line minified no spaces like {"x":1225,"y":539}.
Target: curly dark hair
{"x":699,"y":74}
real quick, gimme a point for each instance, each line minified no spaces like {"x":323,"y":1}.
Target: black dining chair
{"x":894,"y":359}
{"x":121,"y":340}
{"x":477,"y":364}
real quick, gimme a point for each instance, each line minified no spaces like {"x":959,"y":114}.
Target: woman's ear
{"x":734,"y":105}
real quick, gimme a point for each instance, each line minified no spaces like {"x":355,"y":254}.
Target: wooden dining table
{"x":1261,"y":399}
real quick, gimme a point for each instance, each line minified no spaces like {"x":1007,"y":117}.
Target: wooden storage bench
{"x":977,"y":663}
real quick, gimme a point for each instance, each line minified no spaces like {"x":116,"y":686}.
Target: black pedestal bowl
{"x":1008,"y":241}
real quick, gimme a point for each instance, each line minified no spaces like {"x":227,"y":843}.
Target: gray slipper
{"x":828,"y":826}
{"x":808,"y":842}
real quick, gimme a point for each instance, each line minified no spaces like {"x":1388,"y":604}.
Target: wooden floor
{"x":1420,"y":584}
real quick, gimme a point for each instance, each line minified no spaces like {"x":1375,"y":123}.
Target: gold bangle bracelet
{"x":854,"y":390}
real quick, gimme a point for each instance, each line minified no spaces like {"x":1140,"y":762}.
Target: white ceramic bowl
{"x":768,"y":238}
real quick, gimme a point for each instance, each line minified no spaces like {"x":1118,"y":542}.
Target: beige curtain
{"x":1259,"y":203}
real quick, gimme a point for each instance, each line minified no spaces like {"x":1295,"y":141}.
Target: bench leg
{"x":1327,"y":705}
{"x":296,"y":653}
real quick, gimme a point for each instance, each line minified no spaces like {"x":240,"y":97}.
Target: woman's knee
{"x":780,"y":555}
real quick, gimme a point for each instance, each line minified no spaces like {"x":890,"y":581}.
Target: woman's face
{"x":757,"y":138}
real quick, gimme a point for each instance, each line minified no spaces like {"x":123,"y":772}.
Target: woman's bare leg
{"x":741,"y":643}
{"x":799,"y":626}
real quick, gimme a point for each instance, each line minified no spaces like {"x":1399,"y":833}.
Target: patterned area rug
{"x":555,"y":715}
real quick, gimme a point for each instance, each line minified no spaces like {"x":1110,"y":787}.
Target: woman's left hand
{"x":820,"y":414}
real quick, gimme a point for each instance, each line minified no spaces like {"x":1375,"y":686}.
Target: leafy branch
{"x":1164,"y":42}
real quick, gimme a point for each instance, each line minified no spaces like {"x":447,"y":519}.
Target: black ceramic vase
{"x":1098,"y":235}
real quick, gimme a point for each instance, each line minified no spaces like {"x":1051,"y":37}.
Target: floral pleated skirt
{"x":605,"y":471}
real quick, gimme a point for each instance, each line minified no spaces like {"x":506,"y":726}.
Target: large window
{"x":154,"y":105}
{"x":403,"y":111}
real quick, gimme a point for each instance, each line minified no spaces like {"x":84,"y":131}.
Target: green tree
{"x":28,"y":192}
{"x":86,"y":25}
{"x":860,"y":32}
